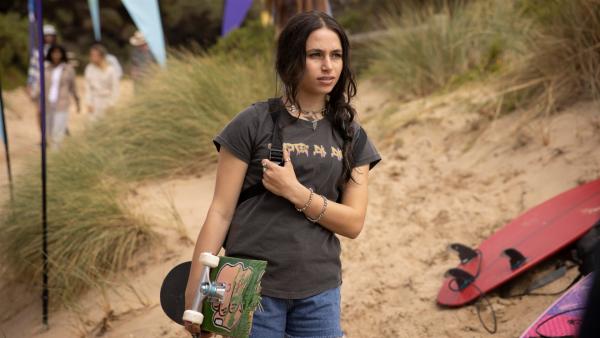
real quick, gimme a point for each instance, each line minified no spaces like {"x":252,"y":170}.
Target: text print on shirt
{"x":317,"y":150}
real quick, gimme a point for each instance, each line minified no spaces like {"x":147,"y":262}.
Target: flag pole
{"x":45,"y":295}
{"x":8,"y":167}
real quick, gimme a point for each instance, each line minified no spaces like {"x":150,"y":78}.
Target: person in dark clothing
{"x":318,"y":192}
{"x":590,"y":327}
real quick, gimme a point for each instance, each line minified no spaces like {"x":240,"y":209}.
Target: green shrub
{"x":14,"y":54}
{"x":252,"y":40}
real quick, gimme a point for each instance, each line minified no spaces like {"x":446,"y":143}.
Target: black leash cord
{"x":481,"y":296}
{"x":529,"y":293}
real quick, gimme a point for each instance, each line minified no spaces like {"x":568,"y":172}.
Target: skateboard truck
{"x":516,"y":258}
{"x":465,"y":254}
{"x":462,"y":278}
{"x":206,"y":289}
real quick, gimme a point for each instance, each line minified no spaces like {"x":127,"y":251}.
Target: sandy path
{"x":446,"y":176}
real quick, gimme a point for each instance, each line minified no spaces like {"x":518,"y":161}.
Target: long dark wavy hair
{"x":290,"y":65}
{"x":61,"y":49}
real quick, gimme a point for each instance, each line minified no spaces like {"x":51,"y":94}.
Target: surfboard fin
{"x":465,"y":253}
{"x":516,"y":258}
{"x":462,"y":278}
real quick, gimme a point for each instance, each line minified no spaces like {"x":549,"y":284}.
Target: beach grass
{"x":427,"y":49}
{"x":562,"y":65}
{"x":164,"y":131}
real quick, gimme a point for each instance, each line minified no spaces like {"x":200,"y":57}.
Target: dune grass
{"x":165,"y":130}
{"x":563,"y":62}
{"x":426,"y":50}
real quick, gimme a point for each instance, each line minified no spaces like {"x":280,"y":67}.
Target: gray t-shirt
{"x":303,"y":257}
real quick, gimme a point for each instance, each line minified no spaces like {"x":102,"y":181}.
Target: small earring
{"x":327,"y":98}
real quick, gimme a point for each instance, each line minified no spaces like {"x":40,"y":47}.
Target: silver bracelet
{"x":315,"y":220}
{"x":307,"y":203}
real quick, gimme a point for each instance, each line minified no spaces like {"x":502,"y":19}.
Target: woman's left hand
{"x":277,"y":179}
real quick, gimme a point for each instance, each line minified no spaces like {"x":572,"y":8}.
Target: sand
{"x":448,"y":174}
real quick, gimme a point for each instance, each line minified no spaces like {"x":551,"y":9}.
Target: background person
{"x":141,"y":57}
{"x":101,"y":83}
{"x":59,"y":88}
{"x":33,"y":73}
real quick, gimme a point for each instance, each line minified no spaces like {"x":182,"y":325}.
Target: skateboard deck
{"x":530,"y":238}
{"x":233,"y":316}
{"x":564,"y":316}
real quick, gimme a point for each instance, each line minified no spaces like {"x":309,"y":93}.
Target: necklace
{"x":312,"y":116}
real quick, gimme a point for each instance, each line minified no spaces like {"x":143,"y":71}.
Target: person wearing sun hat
{"x":141,"y":58}
{"x":33,"y":72}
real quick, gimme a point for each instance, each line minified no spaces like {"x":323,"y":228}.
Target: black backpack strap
{"x":275,"y":153}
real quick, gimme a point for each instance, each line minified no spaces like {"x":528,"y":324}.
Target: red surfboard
{"x":530,"y":238}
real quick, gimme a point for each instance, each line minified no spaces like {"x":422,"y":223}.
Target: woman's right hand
{"x":195,"y":329}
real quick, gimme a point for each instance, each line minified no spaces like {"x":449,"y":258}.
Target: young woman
{"x":318,"y":192}
{"x":101,"y":83}
{"x":60,"y":87}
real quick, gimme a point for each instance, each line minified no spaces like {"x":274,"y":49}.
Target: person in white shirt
{"x":59,"y":89}
{"x":101,"y":83}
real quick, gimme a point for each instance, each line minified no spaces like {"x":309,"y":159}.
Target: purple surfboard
{"x":564,"y":316}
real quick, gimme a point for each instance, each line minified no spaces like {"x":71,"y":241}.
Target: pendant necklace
{"x":294,"y":110}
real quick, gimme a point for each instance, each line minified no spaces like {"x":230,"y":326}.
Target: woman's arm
{"x":346,"y":218}
{"x":230,"y":177}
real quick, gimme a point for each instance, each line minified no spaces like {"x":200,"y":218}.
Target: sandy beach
{"x":450,"y":173}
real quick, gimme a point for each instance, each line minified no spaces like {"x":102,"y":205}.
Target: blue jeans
{"x":312,"y":317}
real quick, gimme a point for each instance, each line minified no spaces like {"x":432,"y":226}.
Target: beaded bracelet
{"x":307,"y":203}
{"x":315,"y":220}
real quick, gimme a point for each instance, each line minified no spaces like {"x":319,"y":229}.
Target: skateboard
{"x":226,"y":298}
{"x":564,"y":316}
{"x":521,"y":244}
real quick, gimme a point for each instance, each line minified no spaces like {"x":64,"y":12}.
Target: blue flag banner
{"x":31,"y":16}
{"x":146,"y":16}
{"x":4,"y":137}
{"x":2,"y":119}
{"x":31,"y":79}
{"x":95,"y":13}
{"x":235,"y":13}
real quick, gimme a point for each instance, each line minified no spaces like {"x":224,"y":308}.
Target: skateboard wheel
{"x":193,"y":317}
{"x":208,"y":259}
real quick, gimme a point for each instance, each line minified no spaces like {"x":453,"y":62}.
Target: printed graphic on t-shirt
{"x":313,"y":150}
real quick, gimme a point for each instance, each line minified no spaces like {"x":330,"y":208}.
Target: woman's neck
{"x":308,"y":102}
{"x":311,"y":107}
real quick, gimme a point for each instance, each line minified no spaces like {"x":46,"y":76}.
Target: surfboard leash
{"x":481,"y":296}
{"x":528,"y":291}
